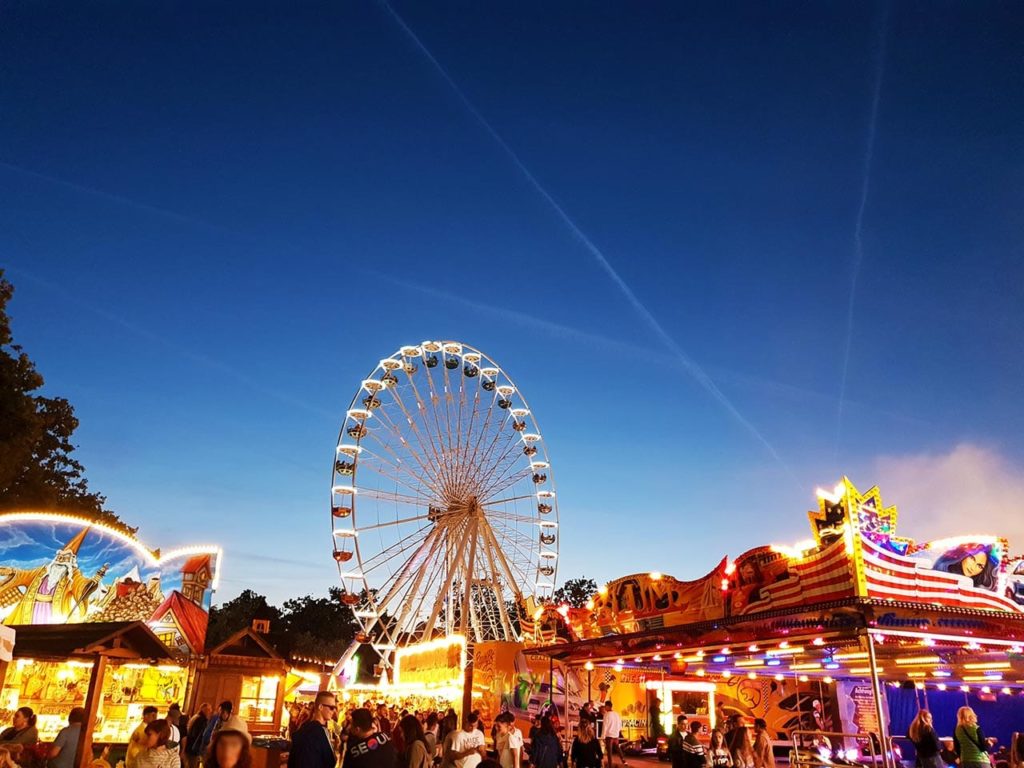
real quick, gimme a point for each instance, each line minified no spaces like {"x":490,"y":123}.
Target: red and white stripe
{"x":823,"y":576}
{"x":898,"y":577}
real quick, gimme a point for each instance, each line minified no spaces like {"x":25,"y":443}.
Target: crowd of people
{"x":206,"y":740}
{"x":382,"y":736}
{"x":968,"y":747}
{"x":732,"y":745}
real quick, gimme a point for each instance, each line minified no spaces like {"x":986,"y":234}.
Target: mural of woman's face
{"x":974,"y":564}
{"x":747,"y":572}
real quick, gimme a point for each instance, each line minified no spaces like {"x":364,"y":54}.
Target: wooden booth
{"x":112,"y":669}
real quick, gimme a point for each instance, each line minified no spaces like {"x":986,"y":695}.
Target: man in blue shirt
{"x":311,"y":744}
{"x":215,"y":723}
{"x":62,"y":752}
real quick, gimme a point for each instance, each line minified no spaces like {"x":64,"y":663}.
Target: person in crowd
{"x":1017,"y":750}
{"x":215,"y":723}
{"x":368,"y":747}
{"x":968,"y":740}
{"x":173,"y":721}
{"x":230,"y":745}
{"x":762,"y":752}
{"x":585,"y":751}
{"x":546,"y":750}
{"x":738,"y":742}
{"x":193,"y":746}
{"x":383,"y":720}
{"x":62,"y":752}
{"x":675,"y":742}
{"x":157,"y":752}
{"x":417,"y":751}
{"x":926,"y":741}
{"x":612,"y":733}
{"x":693,"y":750}
{"x":21,"y":734}
{"x":138,"y":741}
{"x":534,"y":729}
{"x":451,"y":731}
{"x":718,"y":753}
{"x":311,"y":745}
{"x":430,"y":733}
{"x":467,"y":745}
{"x":587,"y":713}
{"x":509,"y":743}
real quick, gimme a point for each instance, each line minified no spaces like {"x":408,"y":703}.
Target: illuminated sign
{"x":433,"y":663}
{"x":63,"y":569}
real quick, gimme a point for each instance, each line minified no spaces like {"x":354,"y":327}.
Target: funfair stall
{"x":78,"y":592}
{"x":806,"y":637}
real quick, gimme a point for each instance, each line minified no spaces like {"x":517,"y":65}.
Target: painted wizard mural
{"x":57,"y":569}
{"x":54,"y":593}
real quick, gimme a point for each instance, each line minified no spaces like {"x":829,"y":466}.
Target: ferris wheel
{"x":442,"y":500}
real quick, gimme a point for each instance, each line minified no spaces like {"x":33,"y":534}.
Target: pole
{"x":876,"y":692}
{"x":83,"y":755}
{"x":467,"y":689}
{"x":590,"y":696}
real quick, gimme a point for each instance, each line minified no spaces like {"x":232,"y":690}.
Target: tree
{"x":238,"y":614}
{"x":575,"y":592}
{"x":321,"y":627}
{"x":37,"y":470}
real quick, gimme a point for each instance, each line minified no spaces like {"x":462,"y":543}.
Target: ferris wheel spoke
{"x":371,"y":565}
{"x":449,"y":578}
{"x":398,"y":460}
{"x":433,"y":438}
{"x":406,"y":448}
{"x":464,"y":475}
{"x":525,"y":547}
{"x":471,"y":461}
{"x":435,"y":401}
{"x":426,"y":446}
{"x":506,"y":625}
{"x":428,"y":543}
{"x":498,"y":514}
{"x":390,"y":523}
{"x":458,"y":422}
{"x":513,"y":582}
{"x":434,"y":570}
{"x":394,"y":496}
{"x":511,"y":474}
{"x":484,"y":464}
{"x":392,"y":476}
{"x":508,"y":499}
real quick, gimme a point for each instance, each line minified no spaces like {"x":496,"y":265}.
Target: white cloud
{"x":971,"y":489}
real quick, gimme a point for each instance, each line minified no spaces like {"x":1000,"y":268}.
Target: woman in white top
{"x":156,"y":754}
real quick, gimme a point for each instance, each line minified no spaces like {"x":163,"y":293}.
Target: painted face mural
{"x":978,"y":562}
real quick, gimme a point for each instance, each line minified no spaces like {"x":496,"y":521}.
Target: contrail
{"x":858,"y":227}
{"x":608,"y":345}
{"x":688,"y":364}
{"x":120,"y":199}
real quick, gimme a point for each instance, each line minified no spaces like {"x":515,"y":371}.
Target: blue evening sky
{"x":220,"y":215}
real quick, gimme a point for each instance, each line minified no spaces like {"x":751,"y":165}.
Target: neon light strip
{"x":138,"y":546}
{"x":883,"y":633}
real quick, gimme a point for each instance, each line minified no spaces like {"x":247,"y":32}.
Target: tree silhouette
{"x":37,"y":470}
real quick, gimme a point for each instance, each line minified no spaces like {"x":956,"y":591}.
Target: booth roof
{"x":848,"y":618}
{"x":116,"y":639}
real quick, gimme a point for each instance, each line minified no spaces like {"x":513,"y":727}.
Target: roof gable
{"x":246,"y":642}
